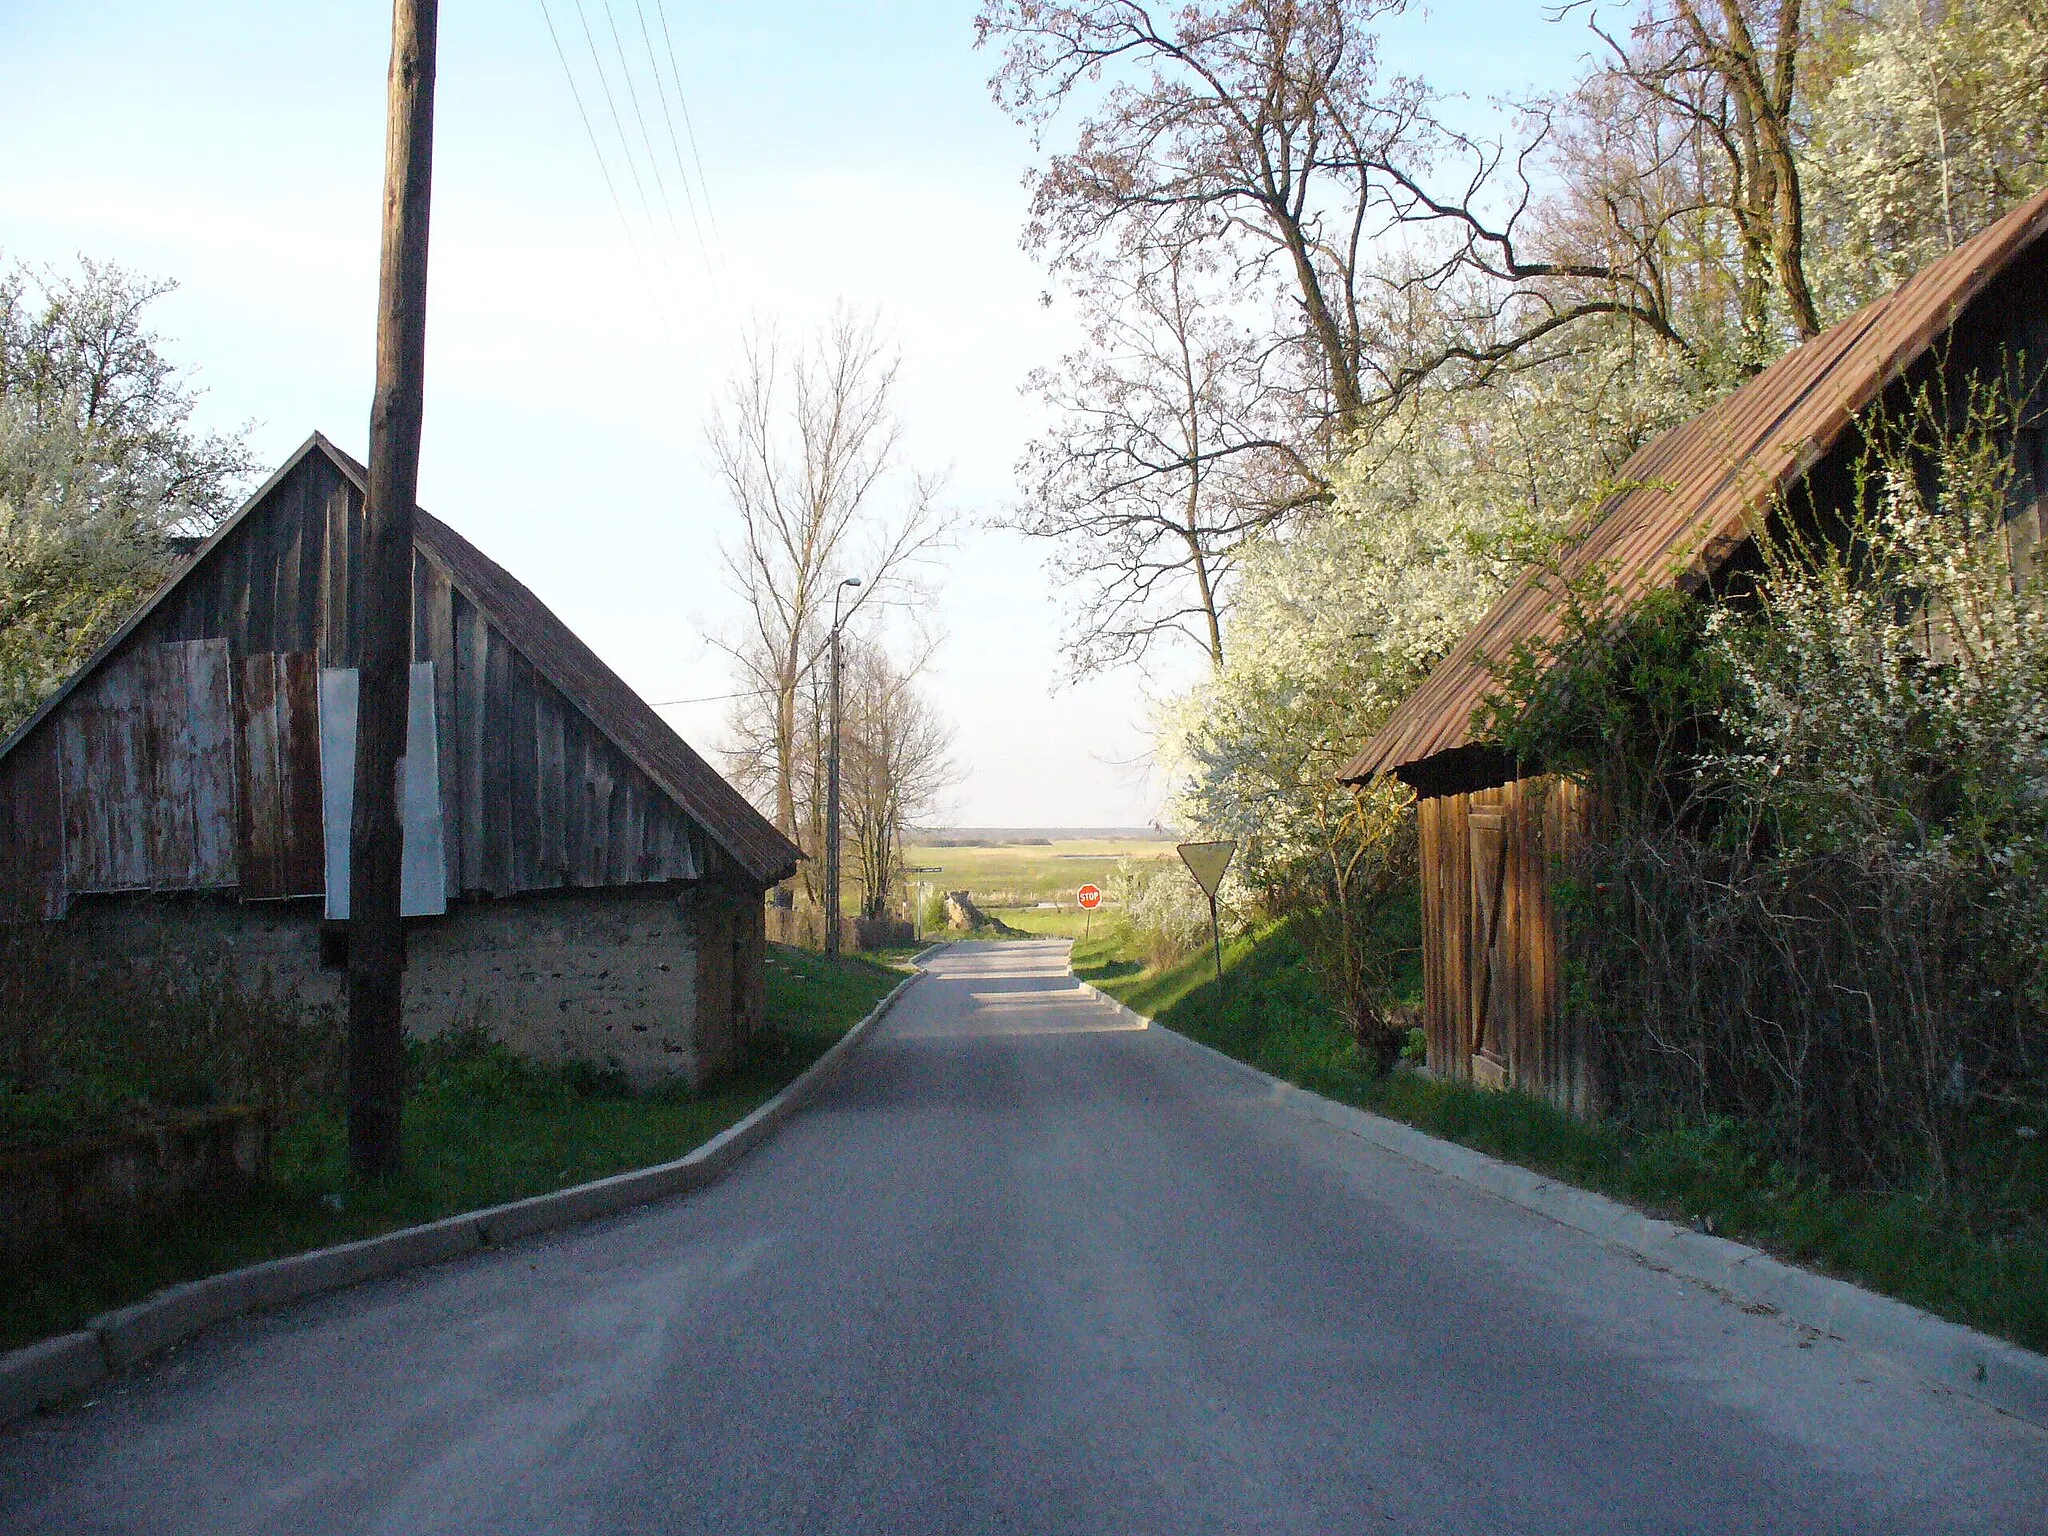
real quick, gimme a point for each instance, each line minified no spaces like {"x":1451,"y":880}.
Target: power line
{"x":690,"y":132}
{"x":618,"y":205}
{"x":625,"y":147}
{"x":754,"y":693}
{"x":646,"y":138}
{"x":715,"y":698}
{"x":675,"y":148}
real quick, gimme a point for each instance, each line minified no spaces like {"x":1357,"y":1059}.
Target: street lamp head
{"x":851,"y":581}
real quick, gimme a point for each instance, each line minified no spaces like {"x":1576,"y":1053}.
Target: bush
{"x":1812,"y":899}
{"x":1837,"y":1003}
{"x":1168,"y":912}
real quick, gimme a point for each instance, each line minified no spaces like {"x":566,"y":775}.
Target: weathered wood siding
{"x":277,"y":709}
{"x":146,"y":773}
{"x":1490,"y":937}
{"x":31,"y":832}
{"x":191,"y":759}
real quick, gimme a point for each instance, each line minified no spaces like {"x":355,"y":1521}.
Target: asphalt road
{"x":1025,"y":1268}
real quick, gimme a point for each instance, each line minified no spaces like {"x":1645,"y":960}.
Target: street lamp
{"x":832,"y":787}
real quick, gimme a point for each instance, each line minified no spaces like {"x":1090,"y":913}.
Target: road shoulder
{"x":1946,"y":1354}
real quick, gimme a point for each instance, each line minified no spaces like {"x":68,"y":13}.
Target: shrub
{"x":1812,"y":897}
{"x":1167,"y":911}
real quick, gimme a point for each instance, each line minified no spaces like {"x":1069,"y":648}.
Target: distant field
{"x":1022,"y":874}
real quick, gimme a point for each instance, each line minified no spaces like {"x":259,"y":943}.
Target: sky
{"x":579,"y":328}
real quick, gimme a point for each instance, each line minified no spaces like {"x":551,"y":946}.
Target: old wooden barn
{"x":577,"y":876}
{"x":1492,"y":829}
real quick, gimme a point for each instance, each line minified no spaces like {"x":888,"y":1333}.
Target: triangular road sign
{"x":1207,"y":861}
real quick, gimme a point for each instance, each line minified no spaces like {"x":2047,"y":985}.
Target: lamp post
{"x":832,"y":787}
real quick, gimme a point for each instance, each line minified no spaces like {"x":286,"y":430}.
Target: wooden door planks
{"x":1491,"y":989}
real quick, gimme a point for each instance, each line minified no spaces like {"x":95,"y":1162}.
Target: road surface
{"x":1027,"y":1268}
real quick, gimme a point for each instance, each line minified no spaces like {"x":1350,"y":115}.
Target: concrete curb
{"x":42,"y":1375}
{"x":1932,"y":1348}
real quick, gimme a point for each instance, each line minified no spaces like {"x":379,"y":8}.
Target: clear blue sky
{"x":850,"y":153}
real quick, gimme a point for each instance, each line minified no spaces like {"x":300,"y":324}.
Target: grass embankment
{"x":1979,"y":1257}
{"x":483,"y":1125}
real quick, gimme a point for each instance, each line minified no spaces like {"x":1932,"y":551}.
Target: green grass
{"x":483,"y":1125}
{"x":1980,"y":1259}
{"x":1068,"y":922}
{"x":1019,"y":874}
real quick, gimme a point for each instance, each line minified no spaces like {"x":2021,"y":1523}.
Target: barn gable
{"x":1688,"y":499}
{"x":1492,"y":831}
{"x":186,"y":754}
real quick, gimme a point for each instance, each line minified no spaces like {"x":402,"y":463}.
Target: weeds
{"x":90,"y":1046}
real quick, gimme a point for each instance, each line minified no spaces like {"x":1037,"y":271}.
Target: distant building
{"x":1491,"y":829}
{"x":578,"y":877}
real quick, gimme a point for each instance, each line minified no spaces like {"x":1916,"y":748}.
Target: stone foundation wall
{"x":659,"y":981}
{"x":148,"y":1169}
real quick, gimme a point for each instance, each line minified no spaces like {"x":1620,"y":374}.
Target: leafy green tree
{"x":102,"y":474}
{"x":1930,"y":124}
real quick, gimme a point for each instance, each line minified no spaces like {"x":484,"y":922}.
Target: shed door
{"x":1488,"y":831}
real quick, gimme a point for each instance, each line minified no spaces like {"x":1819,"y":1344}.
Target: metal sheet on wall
{"x":146,"y":759}
{"x":422,"y":880}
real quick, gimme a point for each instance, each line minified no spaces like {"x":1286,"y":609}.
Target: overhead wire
{"x":604,"y":169}
{"x":690,"y":132}
{"x":633,"y":96}
{"x":802,"y":672}
{"x":675,"y":147}
{"x":618,"y":123}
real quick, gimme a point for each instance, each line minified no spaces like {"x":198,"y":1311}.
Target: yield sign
{"x":1207,"y":861}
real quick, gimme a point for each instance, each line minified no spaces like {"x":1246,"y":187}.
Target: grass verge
{"x":1980,"y":1258}
{"x":483,"y":1125}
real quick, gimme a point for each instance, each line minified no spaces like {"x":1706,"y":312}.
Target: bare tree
{"x":896,"y":771}
{"x":1172,"y":443}
{"x":809,"y":445}
{"x":1674,"y":203}
{"x":1267,"y":119}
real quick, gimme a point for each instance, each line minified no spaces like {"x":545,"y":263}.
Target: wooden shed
{"x":1492,"y":829}
{"x":579,"y":878}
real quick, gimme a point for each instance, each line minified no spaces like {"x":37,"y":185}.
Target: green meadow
{"x":1025,"y":869}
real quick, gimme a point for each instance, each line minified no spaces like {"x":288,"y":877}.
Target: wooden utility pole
{"x":376,"y":934}
{"x":832,"y":813}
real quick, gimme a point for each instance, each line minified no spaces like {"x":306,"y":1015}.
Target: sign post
{"x":1207,"y":862}
{"x":1091,"y":898}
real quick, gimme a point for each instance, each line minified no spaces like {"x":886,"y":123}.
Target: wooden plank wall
{"x":31,"y":835}
{"x":277,"y":709}
{"x":1516,"y":978}
{"x":146,"y":773}
{"x":533,"y":794}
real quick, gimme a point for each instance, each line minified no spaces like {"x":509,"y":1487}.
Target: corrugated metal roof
{"x":625,"y":718}
{"x":1693,"y":492}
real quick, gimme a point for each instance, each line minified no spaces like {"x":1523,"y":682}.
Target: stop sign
{"x":1091,"y":898}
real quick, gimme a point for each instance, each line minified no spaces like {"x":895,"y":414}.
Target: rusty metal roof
{"x":599,"y":693}
{"x":1690,"y":496}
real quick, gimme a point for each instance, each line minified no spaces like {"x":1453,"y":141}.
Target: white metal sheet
{"x":422,"y":886}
